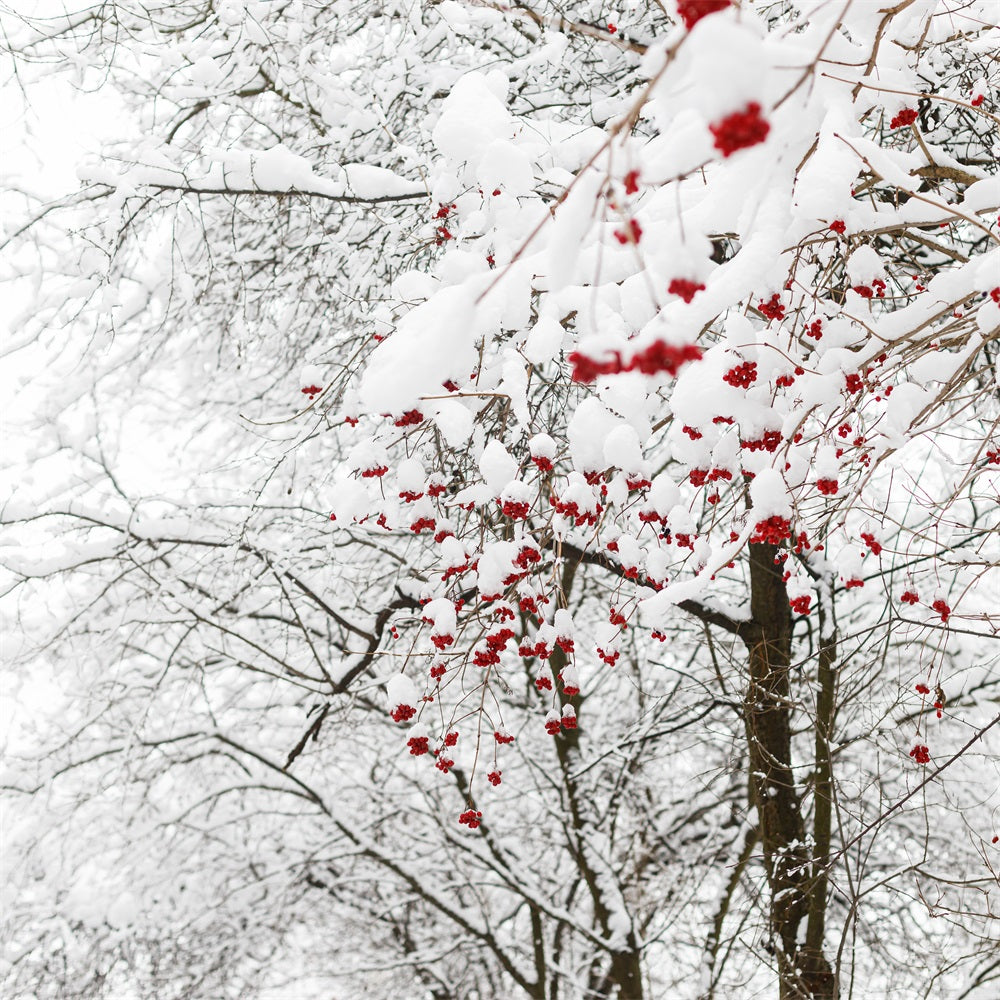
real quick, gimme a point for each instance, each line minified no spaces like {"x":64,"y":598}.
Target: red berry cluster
{"x":471,"y":818}
{"x":838,"y":226}
{"x":692,"y":11}
{"x":375,"y":472}
{"x":905,"y":117}
{"x":516,"y":510}
{"x":921,"y":754}
{"x":539,"y":649}
{"x":740,"y":130}
{"x":800,"y":605}
{"x":815,"y":329}
{"x":941,"y":607}
{"x":698,"y":477}
{"x":403,"y":713}
{"x":742,"y":376}
{"x":772,"y":309}
{"x":685,"y":288}
{"x":662,"y":357}
{"x":570,"y":690}
{"x":828,"y":487}
{"x":909,"y":597}
{"x":527,"y":557}
{"x":632,"y":182}
{"x":657,"y":357}
{"x":768,"y":442}
{"x":312,"y":391}
{"x":442,"y":232}
{"x":631,"y":234}
{"x":854,"y":383}
{"x":869,"y":539}
{"x":409,"y":418}
{"x":571,"y":509}
{"x":773,"y":531}
{"x":875,"y":290}
{"x":418,"y":745}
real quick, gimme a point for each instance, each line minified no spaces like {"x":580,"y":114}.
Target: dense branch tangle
{"x":682,"y":629}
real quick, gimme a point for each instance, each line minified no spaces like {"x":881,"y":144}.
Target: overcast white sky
{"x":47,"y":128}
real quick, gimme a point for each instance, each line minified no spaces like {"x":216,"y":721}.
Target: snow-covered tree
{"x":506,"y":503}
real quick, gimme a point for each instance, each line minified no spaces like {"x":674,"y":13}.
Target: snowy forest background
{"x":501,"y":500}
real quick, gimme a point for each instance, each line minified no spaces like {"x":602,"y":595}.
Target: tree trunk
{"x":804,"y":974}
